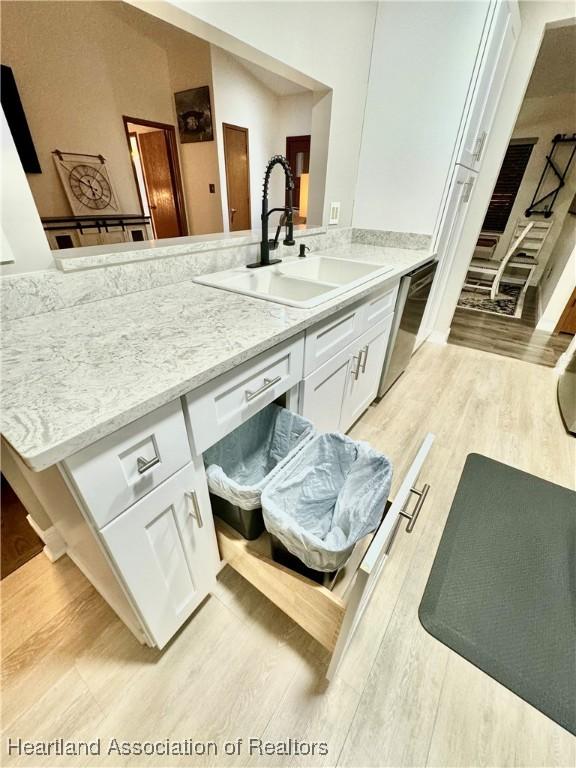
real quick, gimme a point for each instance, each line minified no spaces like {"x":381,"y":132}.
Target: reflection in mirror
{"x":144,"y":131}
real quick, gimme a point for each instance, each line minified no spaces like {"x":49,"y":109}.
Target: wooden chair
{"x":522,"y":256}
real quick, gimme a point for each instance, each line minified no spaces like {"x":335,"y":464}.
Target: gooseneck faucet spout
{"x":267,"y":245}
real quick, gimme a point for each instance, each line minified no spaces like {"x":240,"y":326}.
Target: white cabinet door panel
{"x":460,"y":192}
{"x":365,"y":372}
{"x":165,"y":550}
{"x":323,"y":393}
{"x":496,"y":58}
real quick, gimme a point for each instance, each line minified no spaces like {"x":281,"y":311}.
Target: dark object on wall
{"x":16,"y":119}
{"x":507,"y":186}
{"x":194,"y":115}
{"x":559,"y":170}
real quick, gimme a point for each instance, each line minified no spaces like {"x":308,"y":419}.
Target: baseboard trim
{"x":439,"y":337}
{"x":54,"y":544}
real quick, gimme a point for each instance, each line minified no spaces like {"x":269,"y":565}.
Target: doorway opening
{"x":298,"y":156}
{"x":19,"y":543}
{"x":520,"y":277}
{"x":237,"y":161}
{"x":154,"y":155}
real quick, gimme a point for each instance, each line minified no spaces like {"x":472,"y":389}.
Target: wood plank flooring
{"x":517,"y":338}
{"x":241,"y":669}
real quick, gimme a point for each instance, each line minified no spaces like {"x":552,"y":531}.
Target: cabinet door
{"x":496,"y":58}
{"x":165,"y":550}
{"x":460,"y":192}
{"x":323,"y":393}
{"x":364,"y":373}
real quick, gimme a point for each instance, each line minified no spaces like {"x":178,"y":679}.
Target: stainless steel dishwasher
{"x":410,"y":305}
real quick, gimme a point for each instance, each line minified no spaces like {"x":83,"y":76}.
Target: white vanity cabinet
{"x":165,"y":549}
{"x":352,"y":347}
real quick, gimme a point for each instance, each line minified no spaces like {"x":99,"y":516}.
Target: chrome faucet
{"x":287,"y":218}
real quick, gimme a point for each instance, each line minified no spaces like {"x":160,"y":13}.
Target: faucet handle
{"x":303,"y":249}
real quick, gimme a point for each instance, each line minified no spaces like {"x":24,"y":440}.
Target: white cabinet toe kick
{"x":134,"y":507}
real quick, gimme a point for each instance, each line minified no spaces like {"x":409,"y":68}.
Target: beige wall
{"x":80,"y":66}
{"x":542,"y":118}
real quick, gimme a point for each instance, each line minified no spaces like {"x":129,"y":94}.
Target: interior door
{"x":159,"y":184}
{"x":567,"y":322}
{"x":298,"y":156}
{"x":236,"y":156}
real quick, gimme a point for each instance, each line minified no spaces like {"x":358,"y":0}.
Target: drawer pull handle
{"x":267,"y":384}
{"x":479,"y":146}
{"x":364,"y":351}
{"x":412,"y":517}
{"x":195,"y":508}
{"x":356,"y":371}
{"x":145,"y":464}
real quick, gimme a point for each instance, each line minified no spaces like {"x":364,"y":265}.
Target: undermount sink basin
{"x":304,"y":283}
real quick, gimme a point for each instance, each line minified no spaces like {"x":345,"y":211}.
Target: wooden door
{"x":164,"y":548}
{"x":159,"y":184}
{"x":567,"y":322}
{"x":298,"y":156}
{"x":237,"y":159}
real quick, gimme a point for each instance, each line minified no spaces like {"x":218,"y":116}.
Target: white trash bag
{"x":331,"y":495}
{"x":239,"y":466}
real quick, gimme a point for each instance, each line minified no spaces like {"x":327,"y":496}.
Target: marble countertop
{"x":72,"y":376}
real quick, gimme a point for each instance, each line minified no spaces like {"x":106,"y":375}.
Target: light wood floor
{"x":509,"y":336}
{"x":241,"y":669}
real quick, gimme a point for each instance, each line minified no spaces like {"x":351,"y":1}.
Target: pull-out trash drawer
{"x":329,"y":615}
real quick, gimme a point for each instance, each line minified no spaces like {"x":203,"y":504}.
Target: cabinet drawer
{"x":121,"y":468}
{"x":330,"y":337}
{"x":165,"y":551}
{"x":377,"y":307}
{"x":330,"y":616}
{"x":220,"y":406}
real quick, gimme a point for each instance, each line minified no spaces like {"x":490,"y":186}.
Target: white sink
{"x":330,"y":270}
{"x":305,"y":283}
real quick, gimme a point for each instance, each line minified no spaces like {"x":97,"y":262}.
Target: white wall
{"x":535,"y":16}
{"x":330,"y":42}
{"x":559,"y":280}
{"x":242,"y":99}
{"x":422,"y":60}
{"x":542,"y":118}
{"x":294,"y":116}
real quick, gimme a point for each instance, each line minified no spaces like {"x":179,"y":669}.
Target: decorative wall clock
{"x":86,"y":182}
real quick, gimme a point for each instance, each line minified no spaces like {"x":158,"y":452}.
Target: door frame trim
{"x":247,"y":132}
{"x":173,"y":161}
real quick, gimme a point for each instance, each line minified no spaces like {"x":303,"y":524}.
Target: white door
{"x":364,"y":373}
{"x":165,"y":550}
{"x":497,"y":55}
{"x":323,"y":393}
{"x":459,"y":195}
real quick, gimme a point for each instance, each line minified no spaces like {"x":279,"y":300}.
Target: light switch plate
{"x":334,"y":213}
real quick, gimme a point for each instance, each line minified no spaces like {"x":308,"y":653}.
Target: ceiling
{"x":279,"y":85}
{"x":555,"y":68}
